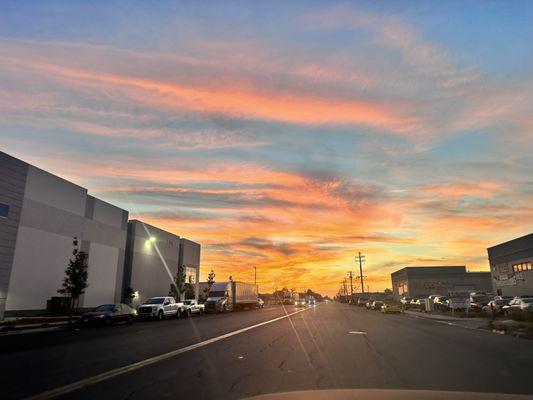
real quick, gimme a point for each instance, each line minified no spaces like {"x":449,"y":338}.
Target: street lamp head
{"x":152,"y":239}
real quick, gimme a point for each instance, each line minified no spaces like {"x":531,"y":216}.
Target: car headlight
{"x":100,"y":316}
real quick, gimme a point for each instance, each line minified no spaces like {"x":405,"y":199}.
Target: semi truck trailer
{"x":231,"y":296}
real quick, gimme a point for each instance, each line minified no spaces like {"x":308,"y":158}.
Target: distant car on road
{"x":160,"y":307}
{"x":108,"y":314}
{"x":391,"y":309}
{"x":300,"y":303}
{"x":519,"y":305}
{"x":376,"y":305}
{"x":311,"y":301}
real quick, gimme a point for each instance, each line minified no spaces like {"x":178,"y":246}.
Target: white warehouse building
{"x":41,"y":213}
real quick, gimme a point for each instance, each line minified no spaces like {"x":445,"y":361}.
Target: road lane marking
{"x":357,"y":333}
{"x":62,"y":390}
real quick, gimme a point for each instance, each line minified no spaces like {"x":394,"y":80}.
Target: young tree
{"x":177,"y":288}
{"x":76,"y":275}
{"x":129,"y":294}
{"x":210,"y":281}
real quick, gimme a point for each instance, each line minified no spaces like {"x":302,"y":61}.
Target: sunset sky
{"x":285,"y":135}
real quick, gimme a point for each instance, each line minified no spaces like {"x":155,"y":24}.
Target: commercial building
{"x":152,"y":259}
{"x":41,"y":214}
{"x":511,"y":266}
{"x":422,"y":281}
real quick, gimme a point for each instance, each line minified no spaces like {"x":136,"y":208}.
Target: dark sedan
{"x":108,"y":314}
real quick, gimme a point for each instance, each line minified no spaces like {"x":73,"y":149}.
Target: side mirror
{"x":166,"y":303}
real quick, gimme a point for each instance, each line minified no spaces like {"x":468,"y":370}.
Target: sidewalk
{"x":35,"y":324}
{"x":472,"y":323}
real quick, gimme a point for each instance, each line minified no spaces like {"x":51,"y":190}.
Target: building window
{"x":4,"y":210}
{"x":527,"y":266}
{"x":190,"y":274}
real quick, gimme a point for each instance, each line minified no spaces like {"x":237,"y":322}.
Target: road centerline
{"x":71,"y":387}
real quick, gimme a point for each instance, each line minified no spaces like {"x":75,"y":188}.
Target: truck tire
{"x":187,"y":313}
{"x":160,"y":315}
{"x":178,"y":313}
{"x":200,"y":312}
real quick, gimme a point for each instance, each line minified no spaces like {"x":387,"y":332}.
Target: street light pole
{"x":351,"y":285}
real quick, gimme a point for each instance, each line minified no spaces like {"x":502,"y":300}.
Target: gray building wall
{"x":53,"y":212}
{"x":13,"y":174}
{"x":507,"y":280}
{"x":190,"y":259}
{"x":150,"y":266}
{"x":423,"y":281}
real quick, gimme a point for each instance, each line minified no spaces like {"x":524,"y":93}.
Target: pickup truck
{"x":192,"y":307}
{"x":160,"y":307}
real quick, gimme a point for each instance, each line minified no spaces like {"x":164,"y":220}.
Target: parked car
{"x":191,"y":307}
{"x":108,"y":314}
{"x":376,"y":305}
{"x":391,"y":309}
{"x":507,"y":298}
{"x":160,"y":307}
{"x":496,"y":305}
{"x":440,"y":303}
{"x":418,"y":304}
{"x":523,"y":296}
{"x":260,"y":303}
{"x":519,"y":305}
{"x":478,"y":301}
{"x":300,"y":303}
{"x":406,"y":301}
{"x":361,"y":301}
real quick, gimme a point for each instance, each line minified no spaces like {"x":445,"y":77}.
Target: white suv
{"x":159,"y":307}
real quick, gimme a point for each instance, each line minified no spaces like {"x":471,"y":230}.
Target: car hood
{"x":96,"y":313}
{"x":388,"y":394}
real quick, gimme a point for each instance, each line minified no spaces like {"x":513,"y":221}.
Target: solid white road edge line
{"x":62,"y":390}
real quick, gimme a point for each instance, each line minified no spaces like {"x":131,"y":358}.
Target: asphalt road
{"x":310,"y":350}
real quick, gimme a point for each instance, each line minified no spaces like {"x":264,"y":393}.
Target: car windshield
{"x":105,"y":307}
{"x":280,"y":165}
{"x":155,"y":300}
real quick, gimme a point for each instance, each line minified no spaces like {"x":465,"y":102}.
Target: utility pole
{"x":351,"y":285}
{"x":361,"y":258}
{"x":255,"y":275}
{"x":345,"y":289}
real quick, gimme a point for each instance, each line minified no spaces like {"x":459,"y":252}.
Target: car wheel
{"x":129,"y":321}
{"x":178,"y":313}
{"x":201,"y":312}
{"x":160,"y":315}
{"x":108,"y":321}
{"x":187,"y":313}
